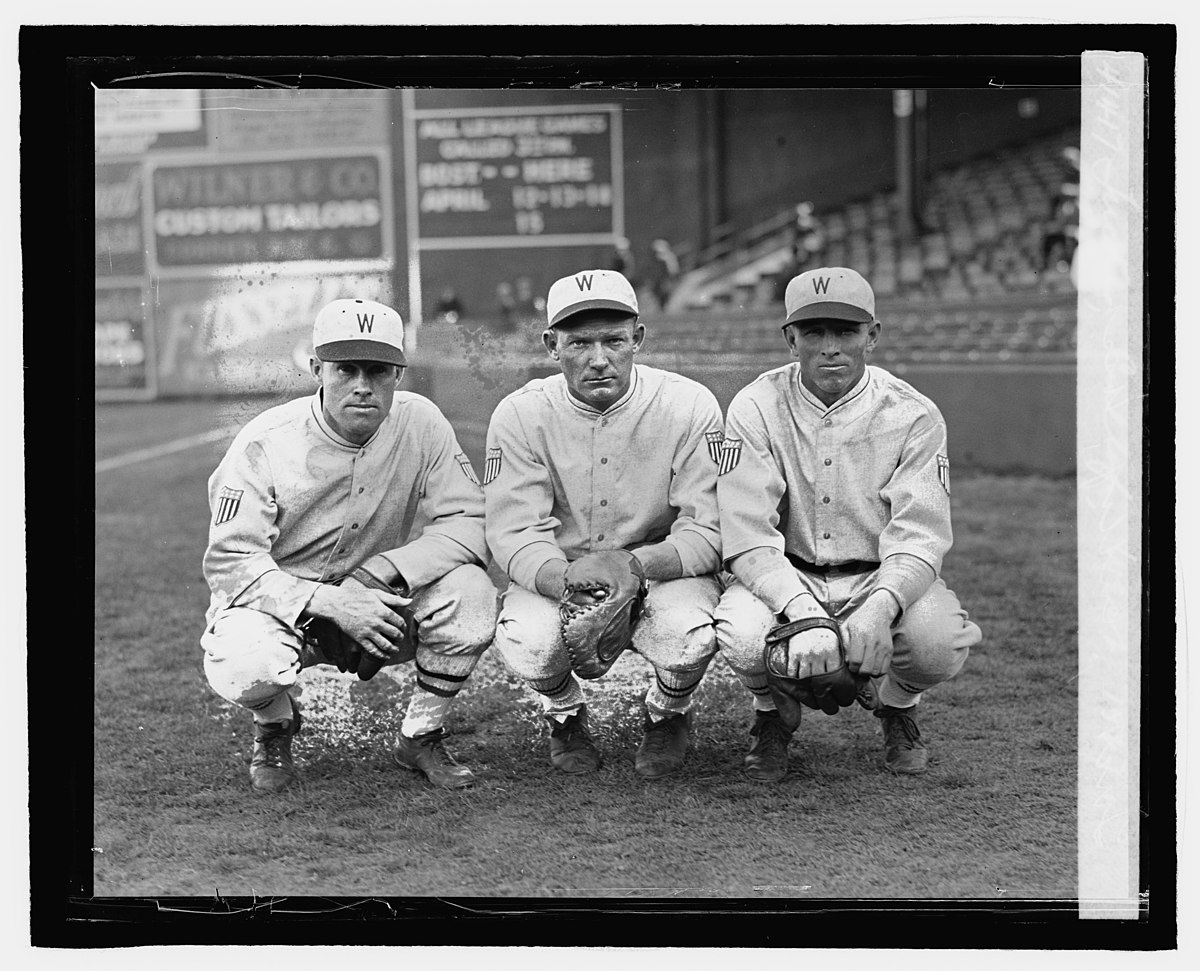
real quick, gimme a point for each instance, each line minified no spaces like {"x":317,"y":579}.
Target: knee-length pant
{"x":931,"y":639}
{"x":251,"y":658}
{"x":675,"y":634}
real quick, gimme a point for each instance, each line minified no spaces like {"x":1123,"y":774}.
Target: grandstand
{"x":981,"y":234}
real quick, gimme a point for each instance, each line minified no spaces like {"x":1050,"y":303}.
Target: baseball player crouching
{"x":347,"y":528}
{"x":597,"y":479}
{"x":834,"y":493}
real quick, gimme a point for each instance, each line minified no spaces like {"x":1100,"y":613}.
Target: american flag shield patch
{"x":491,"y":465}
{"x":731,"y":451}
{"x":228,"y":502}
{"x":464,"y":463}
{"x":714,"y":440}
{"x":944,"y":472}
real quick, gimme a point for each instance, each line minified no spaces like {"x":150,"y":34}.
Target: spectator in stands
{"x":664,"y":272}
{"x":527,"y":308}
{"x":1062,"y":232}
{"x":808,"y":238}
{"x":808,"y":242}
{"x":623,"y":261}
{"x":506,"y":305}
{"x":449,"y":308}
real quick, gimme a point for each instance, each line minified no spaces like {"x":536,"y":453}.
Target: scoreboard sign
{"x":496,"y":177}
{"x":218,"y":212}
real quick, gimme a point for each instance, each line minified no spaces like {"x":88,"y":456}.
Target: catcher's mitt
{"x":343,"y":651}
{"x":830,"y":691}
{"x":600,"y":607}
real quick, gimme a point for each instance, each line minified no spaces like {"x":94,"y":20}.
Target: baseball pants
{"x":931,"y":640}
{"x":675,"y":634}
{"x":252,"y":658}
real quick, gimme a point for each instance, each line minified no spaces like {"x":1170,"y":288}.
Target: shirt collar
{"x":318,"y":411}
{"x":614,"y":407}
{"x":845,"y":399}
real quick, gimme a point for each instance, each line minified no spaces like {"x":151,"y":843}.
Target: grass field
{"x":995,"y":815}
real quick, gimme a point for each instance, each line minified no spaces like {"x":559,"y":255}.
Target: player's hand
{"x":366,"y":615}
{"x":810,"y":652}
{"x":868,"y":634}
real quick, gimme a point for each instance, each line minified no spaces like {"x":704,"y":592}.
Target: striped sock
{"x":561,"y":695}
{"x":275,"y":709}
{"x":896,"y":694}
{"x":756,"y":684}
{"x":671,"y":692}
{"x":426,"y":712}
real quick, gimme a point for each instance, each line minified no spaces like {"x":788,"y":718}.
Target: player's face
{"x":832,"y":354}
{"x":596,"y":357}
{"x":357,"y":395}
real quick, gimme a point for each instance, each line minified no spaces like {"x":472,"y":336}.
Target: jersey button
{"x":360,"y":488}
{"x":828,"y":422}
{"x":600,"y":537}
{"x":604,"y":502}
{"x":827,"y":536}
{"x":355,"y":525}
{"x":826,"y":499}
{"x":604,"y":461}
{"x":827,"y":462}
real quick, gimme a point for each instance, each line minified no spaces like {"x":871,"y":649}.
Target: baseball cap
{"x":589,"y":290}
{"x":359,"y":330}
{"x":829,"y":291}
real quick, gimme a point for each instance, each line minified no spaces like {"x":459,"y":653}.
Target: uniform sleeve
{"x":450,"y":529}
{"x":750,"y":488}
{"x":521,"y":527}
{"x":238,"y":565}
{"x":696,"y":532}
{"x":918,"y":495}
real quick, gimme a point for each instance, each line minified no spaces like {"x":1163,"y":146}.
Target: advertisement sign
{"x":494,"y":177}
{"x":119,"y":248}
{"x":250,"y":335}
{"x":215,"y":213}
{"x":123,"y":346}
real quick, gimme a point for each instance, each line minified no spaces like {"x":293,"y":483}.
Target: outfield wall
{"x":1005,"y":418}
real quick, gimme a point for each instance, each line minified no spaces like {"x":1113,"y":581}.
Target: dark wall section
{"x":788,"y":146}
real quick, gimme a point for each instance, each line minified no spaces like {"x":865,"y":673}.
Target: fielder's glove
{"x":343,"y":651}
{"x":797,"y":679}
{"x":600,"y":607}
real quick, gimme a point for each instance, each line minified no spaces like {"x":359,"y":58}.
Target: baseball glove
{"x":600,"y":607}
{"x":829,"y":691}
{"x":343,"y":651}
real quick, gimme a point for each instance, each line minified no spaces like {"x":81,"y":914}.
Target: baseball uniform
{"x":358,"y":478}
{"x":838,"y":489}
{"x":835,"y":482}
{"x":294,"y":505}
{"x":563,"y":479}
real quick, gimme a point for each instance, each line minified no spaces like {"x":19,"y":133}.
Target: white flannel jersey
{"x":563,"y":480}
{"x":859,"y":480}
{"x":295,"y":504}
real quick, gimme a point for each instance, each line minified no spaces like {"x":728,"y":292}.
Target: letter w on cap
{"x":366,"y":322}
{"x":821,"y":284}
{"x":583,"y":282}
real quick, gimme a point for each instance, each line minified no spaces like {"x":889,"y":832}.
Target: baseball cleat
{"x":904,"y":752}
{"x":767,"y":759}
{"x":427,"y":754}
{"x":663,"y":747}
{"x":271,"y":766}
{"x":571,"y":747}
